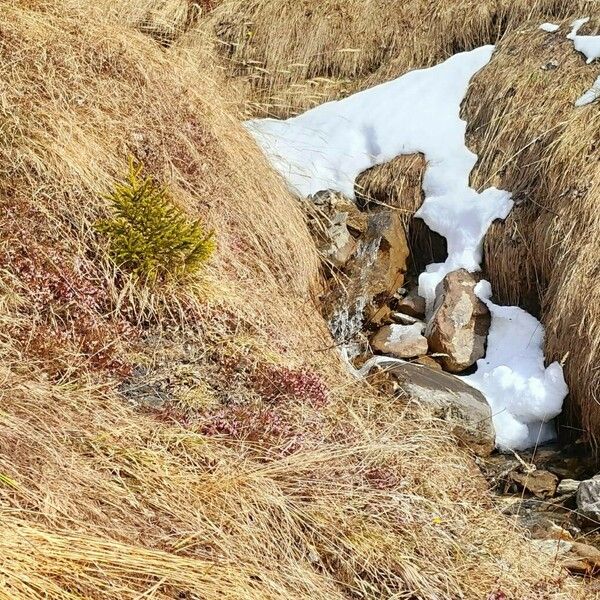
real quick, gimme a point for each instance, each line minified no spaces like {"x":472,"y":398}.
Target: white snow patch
{"x":404,"y":333}
{"x":523,"y":395}
{"x":591,"y":95}
{"x":549,"y":27}
{"x":329,"y":146}
{"x":588,"y":45}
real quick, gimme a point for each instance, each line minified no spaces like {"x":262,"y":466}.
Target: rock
{"x":582,"y":559}
{"x":356,"y":220}
{"x":553,"y":548}
{"x":542,"y":528}
{"x":412,"y":304}
{"x":401,"y":341}
{"x":384,"y":253}
{"x":329,"y":203}
{"x":337,"y":245}
{"x":428,"y":362}
{"x":373,"y":274}
{"x":588,"y":499}
{"x":568,"y":487}
{"x":541,"y":484}
{"x":573,"y":461}
{"x":463,"y":407}
{"x":379,"y":316}
{"x":460,"y":322}
{"x":403,"y":319}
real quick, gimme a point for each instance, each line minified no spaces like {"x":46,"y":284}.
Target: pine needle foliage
{"x":148,"y":234}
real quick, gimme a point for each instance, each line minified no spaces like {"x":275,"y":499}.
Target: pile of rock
{"x":561,"y":514}
{"x":372,"y":309}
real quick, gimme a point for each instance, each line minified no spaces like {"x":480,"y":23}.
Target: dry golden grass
{"x":101,"y":498}
{"x":101,"y":502}
{"x":292,"y":55}
{"x":533,"y":141}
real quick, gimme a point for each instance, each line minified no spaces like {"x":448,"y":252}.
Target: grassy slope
{"x":266,"y":473}
{"x":288,"y":56}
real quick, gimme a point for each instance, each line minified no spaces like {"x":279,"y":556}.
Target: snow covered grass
{"x":588,"y":45}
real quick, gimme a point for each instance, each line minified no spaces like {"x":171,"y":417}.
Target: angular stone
{"x":464,"y":408}
{"x":554,"y":548}
{"x":582,"y":559}
{"x":401,"y":341}
{"x":338,"y":245}
{"x":541,"y":484}
{"x":542,"y":528}
{"x":379,"y":316}
{"x":356,"y":220}
{"x":403,"y":319}
{"x":588,"y":498}
{"x":568,"y":487}
{"x":412,"y":304}
{"x":460,"y":322}
{"x":385,"y":253}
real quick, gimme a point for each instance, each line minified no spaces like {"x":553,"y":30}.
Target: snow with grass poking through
{"x":326,"y":148}
{"x":588,"y":45}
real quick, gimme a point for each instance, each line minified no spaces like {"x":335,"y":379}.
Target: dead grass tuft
{"x":292,"y":55}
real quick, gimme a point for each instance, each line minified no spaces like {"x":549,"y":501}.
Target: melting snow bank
{"x":523,"y":394}
{"x":327,"y":147}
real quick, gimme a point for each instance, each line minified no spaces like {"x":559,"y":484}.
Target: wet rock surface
{"x":365,"y":256}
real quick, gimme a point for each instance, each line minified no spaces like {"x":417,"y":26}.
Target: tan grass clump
{"x":78,"y":96}
{"x":102,"y":502}
{"x":533,"y":141}
{"x":292,"y":55}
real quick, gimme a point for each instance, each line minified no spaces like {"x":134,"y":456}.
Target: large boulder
{"x":384,"y":251}
{"x":463,"y":407}
{"x":588,"y":498}
{"x":400,"y":341}
{"x":460,"y":322}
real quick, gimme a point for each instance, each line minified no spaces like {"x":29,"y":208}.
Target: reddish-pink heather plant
{"x":273,"y":382}
{"x":259,"y":425}
{"x":69,"y":306}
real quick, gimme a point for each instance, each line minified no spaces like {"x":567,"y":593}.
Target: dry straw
{"x":100,"y":499}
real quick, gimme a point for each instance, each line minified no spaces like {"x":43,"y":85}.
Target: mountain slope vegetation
{"x":198,"y":436}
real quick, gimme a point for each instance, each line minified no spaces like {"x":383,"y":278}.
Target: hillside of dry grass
{"x":262,"y":471}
